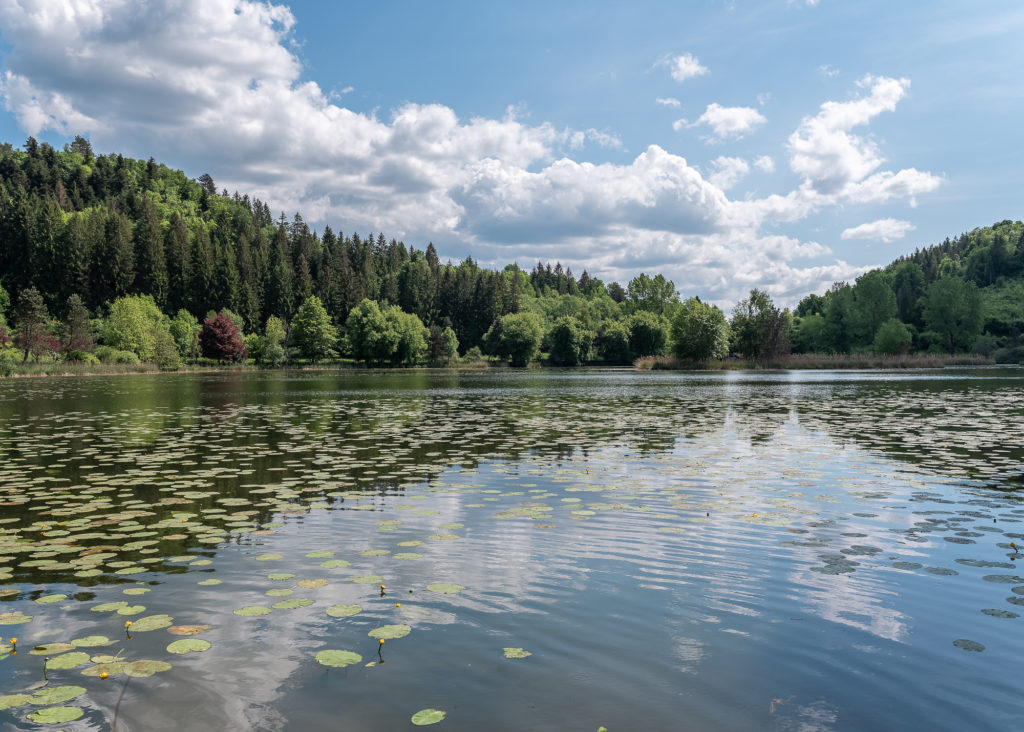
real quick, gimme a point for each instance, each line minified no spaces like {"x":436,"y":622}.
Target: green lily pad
{"x":151,"y":622}
{"x":188,"y":645}
{"x":445,"y":537}
{"x":338,"y":659}
{"x":47,"y":599}
{"x":968,"y":645}
{"x":209,"y":582}
{"x":312,"y":584}
{"x":68,"y":660}
{"x":131,"y":570}
{"x":49,"y":649}
{"x":343,"y":611}
{"x":280,"y":576}
{"x":280,"y":592}
{"x":335,"y":564}
{"x":322,"y":554}
{"x":142,"y":669}
{"x":390,"y":631}
{"x":269,"y":557}
{"x":135,"y":591}
{"x":250,"y":611}
{"x":516,"y":653}
{"x":15,"y":618}
{"x":56,"y":694}
{"x":14,"y":700}
{"x":110,"y":667}
{"x":131,"y":610}
{"x":91,"y":641}
{"x":445,"y":588}
{"x":414,"y":542}
{"x":374,"y":552}
{"x":367,"y":579}
{"x":56,"y":715}
{"x":428,"y":716}
{"x":407,"y":555}
{"x":292,"y":603}
{"x":109,"y":607}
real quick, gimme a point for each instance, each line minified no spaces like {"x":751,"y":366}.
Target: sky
{"x":780,"y":144}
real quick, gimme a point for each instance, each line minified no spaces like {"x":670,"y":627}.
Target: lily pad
{"x":187,"y":629}
{"x":56,"y":694}
{"x":253,"y":610}
{"x":131,"y":610}
{"x":91,"y":641}
{"x":323,"y":553}
{"x":281,"y":592}
{"x":68,"y":660}
{"x":15,"y":618}
{"x":135,"y":591}
{"x":111,"y":668}
{"x":516,"y":653}
{"x":142,"y":669}
{"x":338,"y":659}
{"x":968,"y":645}
{"x":269,"y":557}
{"x":56,"y":715}
{"x":49,"y":649}
{"x":47,"y":599}
{"x":109,"y":607}
{"x":428,"y":716}
{"x":151,"y":622}
{"x":335,"y":564}
{"x":209,"y":582}
{"x":312,"y":584}
{"x":292,"y":603}
{"x":343,"y":611}
{"x":188,"y":645}
{"x":407,"y":555}
{"x":367,"y":579}
{"x":445,"y":588}
{"x":390,"y":631}
{"x":281,"y":576}
{"x":14,"y":700}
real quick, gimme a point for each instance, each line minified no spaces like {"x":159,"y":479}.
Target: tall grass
{"x":820,"y":361}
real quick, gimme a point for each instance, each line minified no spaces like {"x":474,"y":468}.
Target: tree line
{"x":110,"y":258}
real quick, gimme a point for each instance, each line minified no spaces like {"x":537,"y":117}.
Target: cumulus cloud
{"x":216,"y":86}
{"x":683,"y":67}
{"x":726,"y":122}
{"x":668,"y":102}
{"x":765,"y":164}
{"x":887,"y":230}
{"x":728,"y":171}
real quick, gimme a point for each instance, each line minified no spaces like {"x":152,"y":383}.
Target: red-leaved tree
{"x":220,"y":339}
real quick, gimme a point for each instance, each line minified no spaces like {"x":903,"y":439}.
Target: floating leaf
{"x":444,"y":588}
{"x":367,"y":579}
{"x":312,"y":584}
{"x":151,"y":622}
{"x":390,"y":631}
{"x":142,"y":669}
{"x":516,"y":653}
{"x":15,"y":618}
{"x":343,"y":611}
{"x":968,"y":645}
{"x":131,"y":610}
{"x":269,"y":557}
{"x":428,"y":716}
{"x":280,"y":576}
{"x":187,"y":629}
{"x":292,"y":603}
{"x":281,"y":592}
{"x":91,"y":641}
{"x":338,"y":659}
{"x":49,"y":649}
{"x":445,"y":537}
{"x":108,"y":607}
{"x":407,"y":555}
{"x":135,"y":591}
{"x":46,"y":599}
{"x":253,"y":610}
{"x":13,"y":700}
{"x":56,"y":694}
{"x":68,"y":660}
{"x":209,"y":582}
{"x":188,"y":645}
{"x":415,"y":542}
{"x":321,"y":554}
{"x":335,"y":564}
{"x":111,"y":668}
{"x":56,"y":715}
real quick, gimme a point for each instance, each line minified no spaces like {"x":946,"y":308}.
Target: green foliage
{"x":614,"y":344}
{"x":184,"y":329}
{"x":699,"y":332}
{"x":952,"y":310}
{"x":273,"y":351}
{"x":516,"y":338}
{"x":5,"y":302}
{"x":648,"y":333}
{"x":165,"y":351}
{"x":838,"y":313}
{"x":371,"y":336}
{"x":76,"y":331}
{"x":810,"y":334}
{"x":109,"y":354}
{"x":134,"y":324}
{"x":82,"y":357}
{"x":893,"y":338}
{"x":412,"y":336}
{"x":568,"y":342}
{"x":873,"y":304}
{"x":652,"y":294}
{"x":760,"y":330}
{"x":33,"y":331}
{"x":312,"y":330}
{"x":444,"y":346}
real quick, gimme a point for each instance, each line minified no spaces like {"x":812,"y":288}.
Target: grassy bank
{"x":820,"y":361}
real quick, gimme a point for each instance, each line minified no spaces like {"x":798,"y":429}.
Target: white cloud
{"x":887,"y":230}
{"x":683,"y":67}
{"x":728,"y":171}
{"x":730,"y":121}
{"x":829,"y":71}
{"x":668,"y":102}
{"x":215,"y":86}
{"x":765,"y":164}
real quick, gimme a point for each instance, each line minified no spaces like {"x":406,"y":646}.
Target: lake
{"x":537,"y":550}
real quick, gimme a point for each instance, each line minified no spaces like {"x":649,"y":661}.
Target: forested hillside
{"x":965,"y":294}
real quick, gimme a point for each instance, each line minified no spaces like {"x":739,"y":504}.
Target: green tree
{"x":76,"y":333}
{"x":759,"y":329}
{"x":614,"y":343}
{"x":952,"y":310}
{"x":371,"y":336}
{"x":699,"y":332}
{"x":893,"y":337}
{"x":652,"y":294}
{"x":412,"y":336}
{"x":568,"y":342}
{"x":444,"y":345}
{"x":313,"y":332}
{"x":33,"y":332}
{"x":184,"y":328}
{"x":839,"y":328}
{"x":133,"y":325}
{"x":809,"y":334}
{"x":873,"y":304}
{"x":648,"y":333}
{"x":274,"y":353}
{"x":515,"y":337}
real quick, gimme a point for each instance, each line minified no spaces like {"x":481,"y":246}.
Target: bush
{"x":109,"y":354}
{"x":82,"y":357}
{"x":1010,"y":355}
{"x":893,"y":337}
{"x":8,"y":361}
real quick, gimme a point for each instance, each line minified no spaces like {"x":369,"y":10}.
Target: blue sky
{"x":781,"y":144}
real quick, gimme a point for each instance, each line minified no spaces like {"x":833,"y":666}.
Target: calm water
{"x":785,"y":551}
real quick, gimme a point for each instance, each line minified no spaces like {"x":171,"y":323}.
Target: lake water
{"x":723,"y":551}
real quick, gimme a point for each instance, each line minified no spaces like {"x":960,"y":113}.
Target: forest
{"x":111,"y":260}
